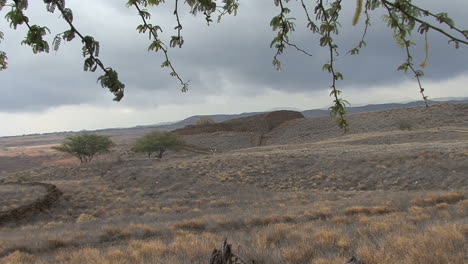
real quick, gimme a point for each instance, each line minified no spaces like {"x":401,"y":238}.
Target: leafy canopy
{"x":85,"y":146}
{"x":158,"y":142}
{"x":322,"y":16}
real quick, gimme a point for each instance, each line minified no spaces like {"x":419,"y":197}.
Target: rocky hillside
{"x":261,"y":123}
{"x":257,"y":131}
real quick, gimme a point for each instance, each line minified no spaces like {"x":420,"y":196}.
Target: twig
{"x":297,"y":48}
{"x":408,"y":53}
{"x":367,"y":24}
{"x":72,"y":27}
{"x":179,"y":25}
{"x":164,"y":49}
{"x":387,"y":3}
{"x":332,"y":50}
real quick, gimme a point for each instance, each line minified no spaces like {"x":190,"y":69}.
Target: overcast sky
{"x":228,"y":65}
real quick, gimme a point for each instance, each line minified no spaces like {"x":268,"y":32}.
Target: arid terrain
{"x":392,"y":190}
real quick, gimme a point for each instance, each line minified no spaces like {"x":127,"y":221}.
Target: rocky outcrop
{"x":262,"y":123}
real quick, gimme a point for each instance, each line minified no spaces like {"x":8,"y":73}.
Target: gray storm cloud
{"x":235,"y":52}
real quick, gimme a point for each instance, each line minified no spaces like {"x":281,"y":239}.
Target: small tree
{"x":158,"y":142}
{"x":85,"y":146}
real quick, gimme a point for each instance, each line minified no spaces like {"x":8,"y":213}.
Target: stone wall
{"x":41,"y":203}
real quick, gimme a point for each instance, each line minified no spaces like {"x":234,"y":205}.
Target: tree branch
{"x":312,"y":26}
{"x":297,"y":48}
{"x":362,"y":42}
{"x":326,"y":29}
{"x":164,"y":49}
{"x":179,"y":39}
{"x":453,"y":38}
{"x":73,"y":28}
{"x":110,"y":78}
{"x":428,"y":13}
{"x":409,"y":58}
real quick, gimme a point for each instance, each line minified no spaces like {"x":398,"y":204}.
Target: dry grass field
{"x":393,"y":190}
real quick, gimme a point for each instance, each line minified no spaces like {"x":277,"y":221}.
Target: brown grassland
{"x":307,"y":195}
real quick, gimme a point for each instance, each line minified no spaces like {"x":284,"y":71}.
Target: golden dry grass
{"x":18,"y":257}
{"x":110,"y":233}
{"x":414,"y":236}
{"x":368,"y":210}
{"x":449,"y":198}
{"x":275,"y":204}
{"x":196,"y":225}
{"x":14,"y":196}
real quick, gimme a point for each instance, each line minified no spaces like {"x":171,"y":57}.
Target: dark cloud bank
{"x":236,"y":51}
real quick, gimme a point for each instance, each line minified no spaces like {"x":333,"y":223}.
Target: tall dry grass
{"x":428,"y":234}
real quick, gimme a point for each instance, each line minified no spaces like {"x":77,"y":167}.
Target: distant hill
{"x":307,"y":113}
{"x":261,"y":123}
{"x":168,"y":126}
{"x":191,"y":121}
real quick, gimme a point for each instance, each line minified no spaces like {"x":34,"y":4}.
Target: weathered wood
{"x":224,"y":255}
{"x":354,"y":260}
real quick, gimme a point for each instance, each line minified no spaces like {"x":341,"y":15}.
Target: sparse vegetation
{"x":111,"y":233}
{"x":158,"y":142}
{"x":379,"y":239}
{"x":405,"y":124}
{"x":278,"y":203}
{"x":23,"y":176}
{"x":85,"y":146}
{"x":435,"y":199}
{"x":368,"y":210}
{"x":194,"y":225}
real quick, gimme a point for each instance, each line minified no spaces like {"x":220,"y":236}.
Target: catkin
{"x":426,"y":49}
{"x":358,"y":12}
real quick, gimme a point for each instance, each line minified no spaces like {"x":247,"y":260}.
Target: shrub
{"x":158,"y":142}
{"x":204,"y":120}
{"x":23,"y":176}
{"x":111,"y":233}
{"x":85,"y":146}
{"x":405,"y":124}
{"x":434,"y":199}
{"x":368,"y":210}
{"x":194,"y":224}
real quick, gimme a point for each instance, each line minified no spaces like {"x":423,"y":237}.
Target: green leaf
{"x":403,"y":67}
{"x":68,"y":35}
{"x":3,"y":61}
{"x":326,"y":67}
{"x":166,"y":63}
{"x":111,"y":81}
{"x":16,"y":18}
{"x":34,"y":39}
{"x":155,"y":45}
{"x":185,"y":87}
{"x":68,"y":14}
{"x":465,"y":32}
{"x":338,"y":75}
{"x":277,"y":64}
{"x":444,"y":18}
{"x":56,"y":42}
{"x":2,"y":4}
{"x":176,"y":41}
